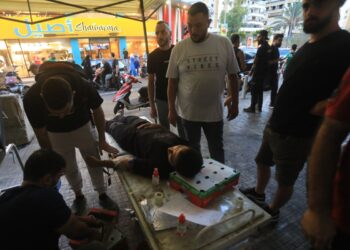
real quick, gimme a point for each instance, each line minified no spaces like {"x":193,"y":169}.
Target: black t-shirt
{"x":314,"y":72}
{"x":29,"y":217}
{"x":262,"y":62}
{"x":107,"y":69}
{"x":149,"y":145}
{"x":274,"y":54}
{"x":157,"y":64}
{"x":86,"y":98}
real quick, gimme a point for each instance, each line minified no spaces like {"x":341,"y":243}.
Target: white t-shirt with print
{"x":201,"y":68}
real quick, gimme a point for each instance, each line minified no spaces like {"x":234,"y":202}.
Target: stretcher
{"x":240,"y":216}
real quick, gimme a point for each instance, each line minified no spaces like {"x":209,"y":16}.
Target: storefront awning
{"x":45,"y":10}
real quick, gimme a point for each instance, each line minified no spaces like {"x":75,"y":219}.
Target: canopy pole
{"x":144,"y":26}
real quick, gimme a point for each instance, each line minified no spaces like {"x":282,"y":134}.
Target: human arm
{"x":81,"y":228}
{"x":317,"y":222}
{"x":232,"y":100}
{"x":241,"y":59}
{"x":99,"y":119}
{"x":151,"y":98}
{"x":42,"y":137}
{"x":172,"y":90}
{"x":319,"y":108}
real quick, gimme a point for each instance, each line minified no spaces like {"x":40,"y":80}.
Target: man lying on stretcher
{"x":152,"y":146}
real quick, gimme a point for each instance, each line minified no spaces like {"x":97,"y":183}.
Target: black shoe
{"x":275,"y":215}
{"x":107,"y":203}
{"x":259,"y":199}
{"x":249,"y":110}
{"x":79,"y":206}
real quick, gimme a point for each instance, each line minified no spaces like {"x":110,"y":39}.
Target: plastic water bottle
{"x":181,"y":226}
{"x":155,"y":178}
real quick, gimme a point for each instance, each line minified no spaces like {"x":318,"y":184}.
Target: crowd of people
{"x":186,"y":84}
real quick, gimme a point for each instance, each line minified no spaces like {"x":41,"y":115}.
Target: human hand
{"x":172,"y":117}
{"x":232,"y":110}
{"x":92,"y":161}
{"x":319,"y":229}
{"x":103,"y":145}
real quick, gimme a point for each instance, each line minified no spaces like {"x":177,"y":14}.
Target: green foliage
{"x":290,"y":20}
{"x":234,"y":17}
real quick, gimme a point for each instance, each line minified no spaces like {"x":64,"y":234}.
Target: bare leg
{"x":263,"y":177}
{"x":282,"y":197}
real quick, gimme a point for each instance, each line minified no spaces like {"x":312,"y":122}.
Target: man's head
{"x":187,"y":161}
{"x":235,"y":40}
{"x":163,"y":34}
{"x":112,"y":55}
{"x":294,"y":47}
{"x":58,"y":96}
{"x":320,"y":15}
{"x":262,"y":36}
{"x":277,"y":40}
{"x":198,"y":22}
{"x":34,"y":68}
{"x":44,"y":167}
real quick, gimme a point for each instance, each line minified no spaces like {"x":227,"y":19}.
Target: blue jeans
{"x":213,"y":132}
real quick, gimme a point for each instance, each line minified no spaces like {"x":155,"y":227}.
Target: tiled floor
{"x":242,"y":139}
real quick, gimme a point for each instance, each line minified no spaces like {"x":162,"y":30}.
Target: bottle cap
{"x":182,"y":218}
{"x":155,"y":172}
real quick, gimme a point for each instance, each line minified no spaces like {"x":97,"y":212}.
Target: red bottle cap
{"x":155,"y":172}
{"x":182,"y":219}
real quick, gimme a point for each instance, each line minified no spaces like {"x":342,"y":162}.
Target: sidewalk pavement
{"x":242,"y":138}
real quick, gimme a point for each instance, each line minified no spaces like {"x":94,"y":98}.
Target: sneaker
{"x":275,"y":215}
{"x":259,"y":199}
{"x":107,"y":203}
{"x":249,"y":110}
{"x":79,"y":206}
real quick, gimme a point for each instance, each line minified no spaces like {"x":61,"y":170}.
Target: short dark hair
{"x":294,"y":47}
{"x":264,"y":33}
{"x":56,"y":92}
{"x":198,"y":7}
{"x":112,"y":54}
{"x":341,"y":2}
{"x":278,"y":36}
{"x":234,"y":38}
{"x":165,"y":23}
{"x":189,"y":162}
{"x":41,"y":163}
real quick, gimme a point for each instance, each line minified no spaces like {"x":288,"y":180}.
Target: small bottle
{"x":181,"y":226}
{"x":155,"y":178}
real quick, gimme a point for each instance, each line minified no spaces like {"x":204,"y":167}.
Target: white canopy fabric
{"x":44,"y":10}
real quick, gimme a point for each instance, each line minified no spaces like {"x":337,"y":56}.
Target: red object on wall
{"x":182,"y":20}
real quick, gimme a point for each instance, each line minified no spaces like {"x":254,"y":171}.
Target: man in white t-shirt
{"x":196,"y":74}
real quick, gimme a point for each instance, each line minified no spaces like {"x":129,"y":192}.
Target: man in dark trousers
{"x":274,"y":59}
{"x":313,"y":74}
{"x":157,"y":66}
{"x":259,"y":72}
{"x":152,"y":146}
{"x":34,"y":215}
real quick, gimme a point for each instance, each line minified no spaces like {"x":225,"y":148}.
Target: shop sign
{"x":75,"y":27}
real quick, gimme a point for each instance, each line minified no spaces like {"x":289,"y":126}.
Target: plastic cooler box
{"x":213,"y":180}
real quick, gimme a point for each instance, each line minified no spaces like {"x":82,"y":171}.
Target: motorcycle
{"x":13,"y":83}
{"x":122,"y":96}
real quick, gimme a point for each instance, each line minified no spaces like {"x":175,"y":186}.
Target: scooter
{"x":13,"y":84}
{"x":122,"y":99}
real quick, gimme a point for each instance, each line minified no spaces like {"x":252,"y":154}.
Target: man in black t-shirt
{"x":152,"y":146}
{"x":259,"y":72}
{"x":274,"y":59}
{"x":34,"y":215}
{"x":106,"y":74}
{"x":157,"y":66}
{"x":59,"y":107}
{"x":311,"y":77}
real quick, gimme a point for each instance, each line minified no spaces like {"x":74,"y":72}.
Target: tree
{"x":234,"y":17}
{"x":290,"y":20}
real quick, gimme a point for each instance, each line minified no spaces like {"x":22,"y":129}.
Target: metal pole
{"x":8,"y":51}
{"x":24,"y":59}
{"x":144,"y":26}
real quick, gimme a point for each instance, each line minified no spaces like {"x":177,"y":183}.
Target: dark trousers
{"x":213,"y":132}
{"x":257,"y":92}
{"x":274,"y":87}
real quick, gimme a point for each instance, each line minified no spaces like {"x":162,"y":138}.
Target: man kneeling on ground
{"x":34,"y":215}
{"x":152,"y":146}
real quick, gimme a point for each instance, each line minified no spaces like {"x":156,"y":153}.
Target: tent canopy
{"x":44,"y":10}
